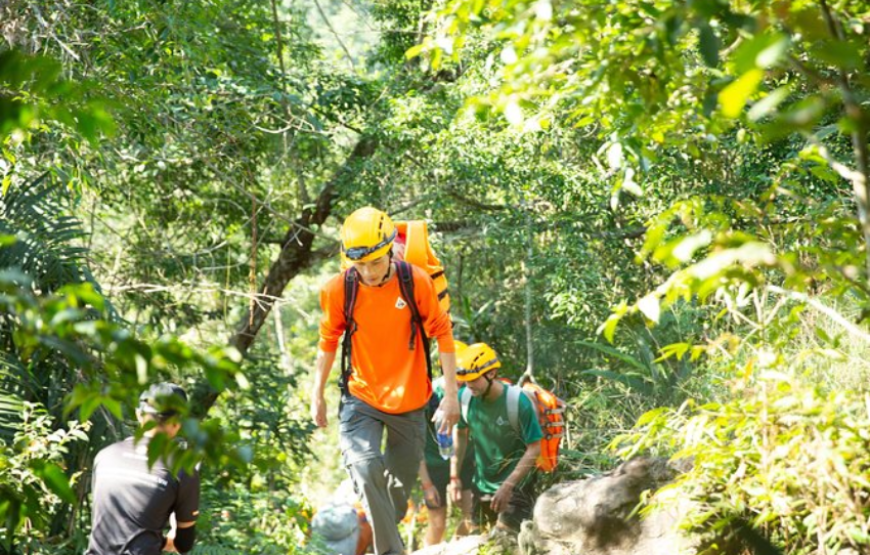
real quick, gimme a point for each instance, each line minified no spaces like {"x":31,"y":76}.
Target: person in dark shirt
{"x":132,"y":502}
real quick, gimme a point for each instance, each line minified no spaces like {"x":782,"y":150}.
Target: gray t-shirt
{"x":132,"y":503}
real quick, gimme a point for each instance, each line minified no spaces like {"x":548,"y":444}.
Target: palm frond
{"x":45,"y":235}
{"x":13,"y":380}
{"x":611,"y":351}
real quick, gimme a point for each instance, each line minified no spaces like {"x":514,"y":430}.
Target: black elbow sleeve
{"x":185,"y":538}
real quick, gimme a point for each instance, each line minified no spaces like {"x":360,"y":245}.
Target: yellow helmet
{"x":460,"y":346}
{"x":475,"y":361}
{"x":367,"y":234}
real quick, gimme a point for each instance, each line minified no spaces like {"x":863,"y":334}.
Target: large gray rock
{"x":595,"y":516}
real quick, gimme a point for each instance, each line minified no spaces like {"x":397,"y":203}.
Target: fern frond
{"x":13,"y":380}
{"x":45,"y":235}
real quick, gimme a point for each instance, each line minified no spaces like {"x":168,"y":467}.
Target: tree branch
{"x":296,"y":255}
{"x":338,"y":38}
{"x":859,"y":139}
{"x":476,"y":203}
{"x":302,"y":191}
{"x":296,"y":252}
{"x":838,"y":318}
{"x":842,"y":169}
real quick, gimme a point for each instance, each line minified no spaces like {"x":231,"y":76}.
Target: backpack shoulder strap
{"x":513,"y":406}
{"x":406,"y":287}
{"x":351,"y":290}
{"x":464,"y":401}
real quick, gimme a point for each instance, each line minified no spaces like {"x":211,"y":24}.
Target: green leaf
{"x":807,"y":112}
{"x":769,"y":103}
{"x":245,"y":453}
{"x":113,"y":407}
{"x":708,"y":44}
{"x":649,"y":306}
{"x":859,"y":536}
{"x":823,"y":335}
{"x":825,"y":173}
{"x":608,"y":328}
{"x":651,"y":415}
{"x":810,"y":23}
{"x":415,"y":51}
{"x":141,"y":368}
{"x":631,"y":361}
{"x":760,"y":52}
{"x":630,"y":185}
{"x":735,"y":96}
{"x":88,"y":406}
{"x":843,"y":55}
{"x":54,"y":479}
{"x":157,"y":446}
{"x":633,"y":381}
{"x":682,"y":250}
{"x":678,"y":350}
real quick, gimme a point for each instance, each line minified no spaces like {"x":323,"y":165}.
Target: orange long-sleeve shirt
{"x":386,"y":373}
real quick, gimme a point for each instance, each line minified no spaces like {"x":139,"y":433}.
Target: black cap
{"x":163,"y":400}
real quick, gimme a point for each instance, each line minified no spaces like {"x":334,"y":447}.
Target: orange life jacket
{"x":551,"y":416}
{"x":412,"y":245}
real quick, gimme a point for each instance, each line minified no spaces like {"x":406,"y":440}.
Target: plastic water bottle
{"x":445,"y":441}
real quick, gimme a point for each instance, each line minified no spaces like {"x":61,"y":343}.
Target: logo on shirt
{"x":501,"y":421}
{"x":400,"y":303}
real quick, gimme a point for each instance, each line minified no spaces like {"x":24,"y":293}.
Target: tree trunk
{"x":297,"y":254}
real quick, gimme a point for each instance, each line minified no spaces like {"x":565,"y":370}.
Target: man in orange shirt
{"x":385,"y":380}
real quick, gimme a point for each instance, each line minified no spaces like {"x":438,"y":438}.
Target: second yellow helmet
{"x":475,"y":361}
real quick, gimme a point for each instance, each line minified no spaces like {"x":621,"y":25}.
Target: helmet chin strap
{"x":488,"y":387}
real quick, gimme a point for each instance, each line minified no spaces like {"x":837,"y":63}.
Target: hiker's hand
{"x":502,"y":497}
{"x":318,"y":412}
{"x":450,"y":414}
{"x":454,"y":490}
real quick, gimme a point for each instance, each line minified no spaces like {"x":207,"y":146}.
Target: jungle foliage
{"x":658,"y":209}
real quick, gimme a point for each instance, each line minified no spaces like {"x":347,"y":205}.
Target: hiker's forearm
{"x":526,"y":464}
{"x":448,"y":367}
{"x":322,"y":367}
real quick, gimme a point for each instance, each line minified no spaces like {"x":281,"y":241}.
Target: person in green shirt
{"x":506,"y":447}
{"x":435,"y":475}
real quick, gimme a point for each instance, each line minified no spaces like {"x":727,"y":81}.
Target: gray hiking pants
{"x":384,"y":480}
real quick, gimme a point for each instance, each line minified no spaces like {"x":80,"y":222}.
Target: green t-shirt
{"x":434,"y":462}
{"x":498,"y":447}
